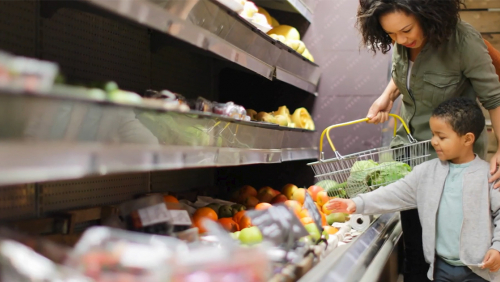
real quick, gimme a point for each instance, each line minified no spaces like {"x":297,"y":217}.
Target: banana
{"x":302,"y":119}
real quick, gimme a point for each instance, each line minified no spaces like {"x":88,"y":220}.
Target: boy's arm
{"x":398,"y":196}
{"x":495,"y":213}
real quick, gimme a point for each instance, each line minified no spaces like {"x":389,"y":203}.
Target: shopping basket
{"x":350,"y":175}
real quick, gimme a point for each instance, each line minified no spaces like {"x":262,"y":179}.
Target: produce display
{"x":290,"y":36}
{"x":299,"y":119}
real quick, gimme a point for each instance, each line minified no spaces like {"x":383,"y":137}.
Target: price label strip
{"x":154,"y":214}
{"x":278,"y":224}
{"x":180,"y":217}
{"x":313,"y":211}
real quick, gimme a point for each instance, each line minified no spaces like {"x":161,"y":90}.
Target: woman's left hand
{"x":494,"y":171}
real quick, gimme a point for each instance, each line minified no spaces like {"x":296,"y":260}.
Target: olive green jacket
{"x":460,"y":66}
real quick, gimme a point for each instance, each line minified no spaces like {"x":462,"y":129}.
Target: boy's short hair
{"x":463,"y":114}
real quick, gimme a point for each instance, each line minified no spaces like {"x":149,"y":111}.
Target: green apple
{"x":313,"y":231}
{"x":327,"y":236}
{"x":335,"y":217}
{"x":235,"y":235}
{"x":250,"y":235}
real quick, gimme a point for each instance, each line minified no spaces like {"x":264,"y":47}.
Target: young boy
{"x":458,"y":208}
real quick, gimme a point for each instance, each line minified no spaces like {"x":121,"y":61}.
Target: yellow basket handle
{"x":327,"y":131}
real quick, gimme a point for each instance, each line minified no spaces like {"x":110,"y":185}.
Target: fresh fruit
{"x":237,"y":208}
{"x":280,"y":38}
{"x":306,"y":220}
{"x":283,"y":110}
{"x":269,"y":19}
{"x":244,"y":222}
{"x":294,"y":206}
{"x":215,"y":207}
{"x":318,"y":206}
{"x":170,"y":199}
{"x":313,"y":231}
{"x":304,"y":213}
{"x":326,"y":235}
{"x":299,"y":195}
{"x":288,"y":190}
{"x":330,"y":229}
{"x":266,"y":194}
{"x":250,"y":235}
{"x":302,"y":119}
{"x":249,"y":9}
{"x":235,"y":235}
{"x":335,"y":217}
{"x":263,"y":206}
{"x":322,"y":198}
{"x":225,"y":211}
{"x":250,"y":202}
{"x":205,"y":212}
{"x":279,"y":199}
{"x":229,"y":224}
{"x":197,"y":222}
{"x":248,"y":190}
{"x":263,"y":116}
{"x":306,"y":54}
{"x":323,"y":219}
{"x":274,"y":22}
{"x":297,"y":45}
{"x":281,"y":120}
{"x":325,"y":210}
{"x":237,"y":217}
{"x":260,"y":19}
{"x":313,"y":191}
{"x":251,"y":113}
{"x":326,"y":184}
{"x":287,"y":31}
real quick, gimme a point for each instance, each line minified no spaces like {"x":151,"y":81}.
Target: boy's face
{"x":448,"y":144}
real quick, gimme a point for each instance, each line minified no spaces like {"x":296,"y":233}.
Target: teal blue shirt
{"x":450,"y":216}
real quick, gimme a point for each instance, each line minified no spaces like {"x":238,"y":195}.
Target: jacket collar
{"x":472,"y":167}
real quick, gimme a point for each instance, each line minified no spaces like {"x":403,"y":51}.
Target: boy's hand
{"x":491,"y":260}
{"x":341,"y":205}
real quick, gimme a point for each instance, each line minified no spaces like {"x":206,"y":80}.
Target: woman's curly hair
{"x":438,"y":19}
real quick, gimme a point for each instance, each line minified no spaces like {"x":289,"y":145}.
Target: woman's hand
{"x":491,"y":260}
{"x":341,"y":205}
{"x":380,"y":109}
{"x":494,"y":171}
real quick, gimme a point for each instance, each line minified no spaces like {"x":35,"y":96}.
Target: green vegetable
{"x":363,"y":165}
{"x":390,"y":172}
{"x":326,"y":184}
{"x":337,"y":190}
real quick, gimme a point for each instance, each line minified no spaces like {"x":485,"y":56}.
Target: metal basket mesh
{"x":356,"y":181}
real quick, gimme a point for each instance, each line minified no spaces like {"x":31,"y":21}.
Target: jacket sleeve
{"x":398,"y":196}
{"x":477,"y":66}
{"x":495,"y":213}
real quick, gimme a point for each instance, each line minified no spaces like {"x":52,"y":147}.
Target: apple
{"x":322,"y":198}
{"x":294,"y":206}
{"x":313,"y":231}
{"x":325,"y":210}
{"x":288,"y":190}
{"x":266,"y":194}
{"x":250,"y":202}
{"x":250,"y":235}
{"x":248,"y":190}
{"x":279,"y":199}
{"x":299,"y":195}
{"x":235,"y":235}
{"x":313,"y":191}
{"x":327,"y":236}
{"x":276,"y":192}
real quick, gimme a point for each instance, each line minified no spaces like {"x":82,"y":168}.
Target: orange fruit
{"x":263,"y":206}
{"x":330,"y":229}
{"x":197,"y":222}
{"x":313,"y":191}
{"x":304,"y":213}
{"x":229,"y":224}
{"x":323,"y":219}
{"x":237,"y":216}
{"x":170,"y":199}
{"x":294,"y":206}
{"x":205,"y":212}
{"x":306,"y":220}
{"x":244,"y":222}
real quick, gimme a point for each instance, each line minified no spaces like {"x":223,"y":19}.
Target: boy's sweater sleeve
{"x":398,"y":196}
{"x":495,"y":213}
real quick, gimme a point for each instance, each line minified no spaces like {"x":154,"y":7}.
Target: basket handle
{"x":327,"y":132}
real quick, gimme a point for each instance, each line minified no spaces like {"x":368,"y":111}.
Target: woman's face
{"x":403,"y":29}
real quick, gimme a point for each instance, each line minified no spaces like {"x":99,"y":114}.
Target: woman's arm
{"x":380,"y":109}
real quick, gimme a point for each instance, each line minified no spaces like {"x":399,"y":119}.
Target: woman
{"x":436,"y":56}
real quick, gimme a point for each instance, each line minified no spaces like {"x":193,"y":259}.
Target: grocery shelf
{"x":294,"y":6}
{"x":51,"y":137}
{"x":211,"y":26}
{"x":364,"y":258}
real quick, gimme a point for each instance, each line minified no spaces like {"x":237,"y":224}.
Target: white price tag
{"x":180,"y":217}
{"x":154,"y":214}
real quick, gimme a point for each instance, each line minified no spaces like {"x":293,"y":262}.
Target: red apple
{"x":279,"y":199}
{"x":248,"y":190}
{"x":313,"y":191}
{"x":250,"y":202}
{"x":322,"y":198}
{"x":266,"y":197}
{"x":288,"y":190}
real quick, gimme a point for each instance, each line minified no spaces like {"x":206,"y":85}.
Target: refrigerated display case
{"x":70,"y":154}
